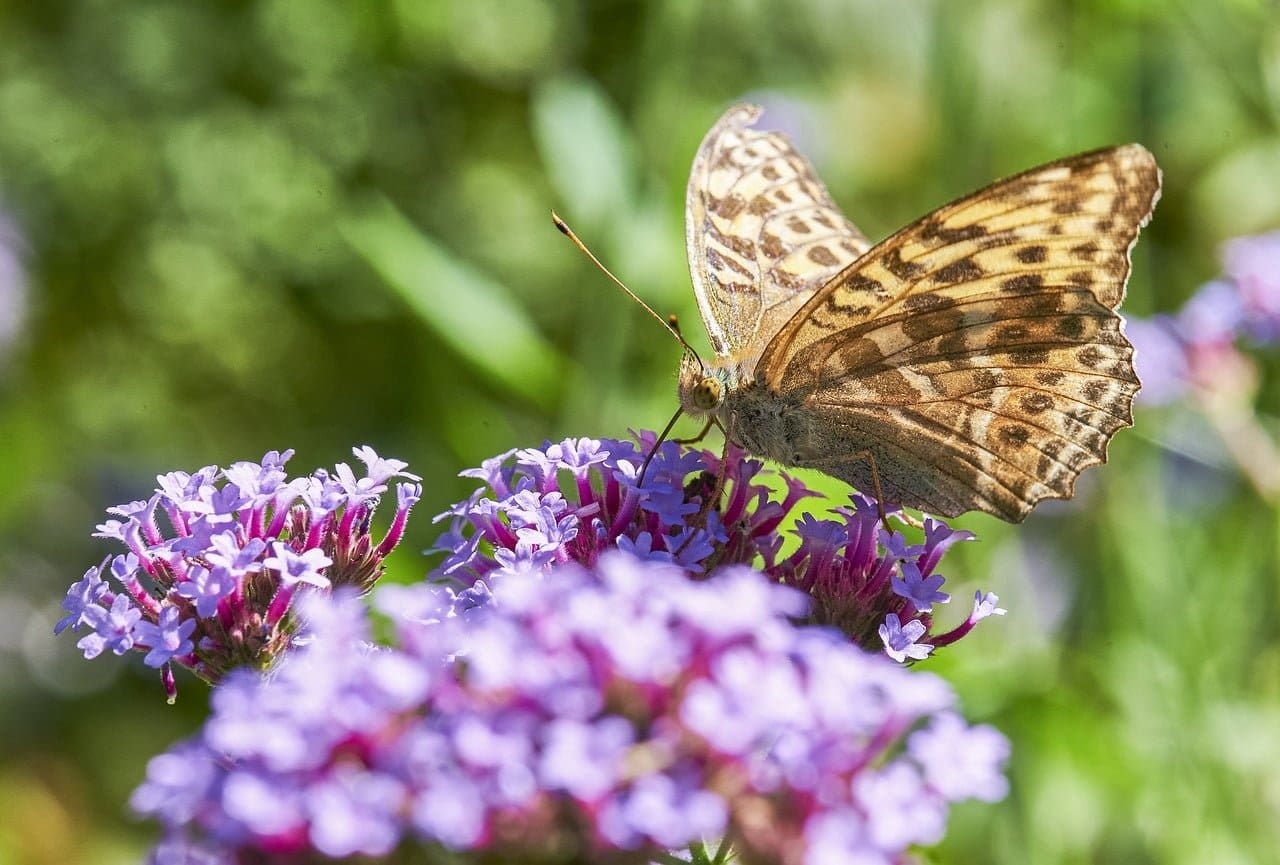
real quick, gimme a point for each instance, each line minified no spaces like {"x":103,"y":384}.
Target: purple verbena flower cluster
{"x":604,"y":714}
{"x":215,"y":590}
{"x":574,"y":500}
{"x":1198,"y":347}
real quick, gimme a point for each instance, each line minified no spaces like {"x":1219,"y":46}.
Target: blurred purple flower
{"x":574,"y":500}
{"x":216,"y":594}
{"x":1197,"y":348}
{"x":791,"y":116}
{"x":604,"y":715}
{"x":1160,"y":357}
{"x":1213,"y":316}
{"x":1253,"y":266}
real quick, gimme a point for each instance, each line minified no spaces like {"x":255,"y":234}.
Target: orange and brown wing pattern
{"x":762,"y":232}
{"x":977,"y":353}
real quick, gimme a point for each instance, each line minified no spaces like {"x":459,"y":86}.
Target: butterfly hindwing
{"x":976,"y":353}
{"x":762,"y":233}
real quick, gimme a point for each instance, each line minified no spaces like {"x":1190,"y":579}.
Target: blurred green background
{"x":230,"y":227}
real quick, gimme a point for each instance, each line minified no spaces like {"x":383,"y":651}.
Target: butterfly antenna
{"x":668,"y":324}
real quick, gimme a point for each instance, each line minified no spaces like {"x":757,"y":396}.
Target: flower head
{"x":603,"y":714}
{"x":575,"y":500}
{"x":214,"y":591}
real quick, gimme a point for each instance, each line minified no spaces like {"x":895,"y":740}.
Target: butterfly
{"x":974,"y":360}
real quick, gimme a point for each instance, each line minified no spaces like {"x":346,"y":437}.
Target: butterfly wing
{"x":762,"y":232}
{"x":977,"y":352}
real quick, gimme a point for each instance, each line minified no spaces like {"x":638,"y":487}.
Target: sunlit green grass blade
{"x":474,"y":315}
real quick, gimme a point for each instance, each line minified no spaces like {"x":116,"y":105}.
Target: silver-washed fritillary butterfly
{"x":972,"y":361}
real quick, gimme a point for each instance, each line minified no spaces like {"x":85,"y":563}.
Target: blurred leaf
{"x":470,"y":312}
{"x":585,"y":147}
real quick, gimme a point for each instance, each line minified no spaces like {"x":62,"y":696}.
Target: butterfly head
{"x":701,"y":389}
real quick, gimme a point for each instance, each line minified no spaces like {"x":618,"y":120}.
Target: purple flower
{"x":81,"y":597}
{"x":354,"y":812}
{"x":903,"y":811}
{"x":1213,"y":315}
{"x":1160,"y":357}
{"x":573,"y":501}
{"x":900,"y":640}
{"x":167,"y":638}
{"x":1253,"y":265}
{"x":960,"y":761}
{"x":114,"y":627}
{"x":1197,"y":348}
{"x":642,"y":548}
{"x":206,"y":588}
{"x":294,"y":568}
{"x":624,"y":710}
{"x":176,"y":850}
{"x":920,"y":590}
{"x":985,"y":605}
{"x":216,"y":591}
{"x":583,"y":759}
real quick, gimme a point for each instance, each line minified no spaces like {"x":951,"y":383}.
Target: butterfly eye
{"x":707,"y":394}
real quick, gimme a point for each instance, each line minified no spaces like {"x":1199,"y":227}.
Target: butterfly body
{"x":975,"y":357}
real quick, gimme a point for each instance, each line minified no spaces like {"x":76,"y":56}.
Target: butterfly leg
{"x":644,"y":467}
{"x":721,"y":476}
{"x":711,"y":421}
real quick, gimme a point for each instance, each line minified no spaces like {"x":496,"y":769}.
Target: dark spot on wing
{"x":985,"y":379}
{"x":1089,"y":356}
{"x":861,"y":283}
{"x":1023,"y":282}
{"x":918,"y":302}
{"x":771,"y":246}
{"x":964,"y":270}
{"x":892,"y":262}
{"x":1029,"y":356}
{"x":727,"y":207}
{"x":936,"y":230}
{"x":1085,"y":251}
{"x":1015,"y":434}
{"x":1036,"y":403}
{"x":762,"y":206}
{"x":1072,"y":326}
{"x":822,"y":256}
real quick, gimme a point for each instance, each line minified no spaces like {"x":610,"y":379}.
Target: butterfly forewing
{"x":976,"y":353}
{"x":762,"y":233}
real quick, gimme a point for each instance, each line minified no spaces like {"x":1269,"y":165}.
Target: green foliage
{"x":315,"y":224}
